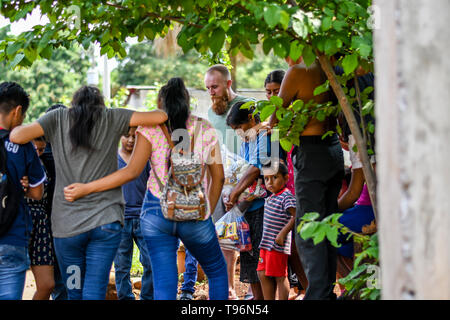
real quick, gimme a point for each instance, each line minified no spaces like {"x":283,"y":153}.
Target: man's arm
{"x":25,"y":133}
{"x":150,"y":118}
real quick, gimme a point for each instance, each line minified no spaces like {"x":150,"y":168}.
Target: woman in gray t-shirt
{"x":84,"y":141}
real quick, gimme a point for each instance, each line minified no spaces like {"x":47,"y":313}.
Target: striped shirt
{"x":276,"y":217}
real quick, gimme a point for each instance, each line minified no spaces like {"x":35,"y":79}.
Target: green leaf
{"x":45,"y":40}
{"x":13,"y":48}
{"x":339,"y":25}
{"x":268,"y":44}
{"x":30,"y":53}
{"x":286,"y":144}
{"x":332,"y":235}
{"x":322,"y":88}
{"x":310,"y":216}
{"x":47,"y":52}
{"x":272,"y":15}
{"x":319,"y":235}
{"x":105,"y":37}
{"x":280,"y":114}
{"x":330,"y":47}
{"x":320,"y":115}
{"x":326,"y":23}
{"x":280,"y":50}
{"x":277,"y":101}
{"x":104,"y":50}
{"x":267,"y":111}
{"x":308,"y":229}
{"x":17,"y":59}
{"x":298,"y":105}
{"x":284,"y":19}
{"x":247,"y":105}
{"x":217,"y":39}
{"x":296,"y":50}
{"x":363,"y":45}
{"x":350,"y":63}
{"x":328,"y":133}
{"x":308,"y":55}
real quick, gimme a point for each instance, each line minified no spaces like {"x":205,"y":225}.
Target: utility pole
{"x":106,"y":79}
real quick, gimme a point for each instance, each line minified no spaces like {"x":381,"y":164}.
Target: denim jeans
{"x":14,"y":263}
{"x":122,"y":262}
{"x":199,"y":237}
{"x":85,"y":261}
{"x":190,"y":273}
{"x":60,"y":291}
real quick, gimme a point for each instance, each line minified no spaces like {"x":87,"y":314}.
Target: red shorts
{"x":274,"y":263}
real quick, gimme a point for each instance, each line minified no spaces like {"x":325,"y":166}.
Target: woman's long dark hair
{"x":174,"y":99}
{"x":275,"y":76}
{"x":87,"y":106}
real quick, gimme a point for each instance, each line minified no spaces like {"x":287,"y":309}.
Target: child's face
{"x":244,"y":131}
{"x":128,"y":140}
{"x":275,"y":182}
{"x":39,"y":146}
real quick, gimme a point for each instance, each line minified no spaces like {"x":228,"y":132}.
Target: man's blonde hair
{"x":223,"y":70}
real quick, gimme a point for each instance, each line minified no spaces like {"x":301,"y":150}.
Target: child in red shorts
{"x":275,"y":246}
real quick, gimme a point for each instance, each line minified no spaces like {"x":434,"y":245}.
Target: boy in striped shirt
{"x":275,"y":246}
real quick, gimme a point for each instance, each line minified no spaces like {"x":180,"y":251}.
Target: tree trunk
{"x":368,"y":170}
{"x":233,"y":61}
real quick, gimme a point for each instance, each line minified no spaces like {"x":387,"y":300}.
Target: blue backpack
{"x":9,"y":197}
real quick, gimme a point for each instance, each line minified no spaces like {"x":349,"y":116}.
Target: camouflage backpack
{"x":183,"y":197}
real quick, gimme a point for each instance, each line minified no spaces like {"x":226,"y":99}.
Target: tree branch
{"x":369,"y":173}
{"x":154,"y":15}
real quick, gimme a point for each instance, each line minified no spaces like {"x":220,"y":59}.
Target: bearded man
{"x":218,"y":83}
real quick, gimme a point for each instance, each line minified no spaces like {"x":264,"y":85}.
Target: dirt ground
{"x":201,"y":289}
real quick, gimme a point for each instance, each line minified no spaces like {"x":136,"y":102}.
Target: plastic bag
{"x":234,"y":168}
{"x":233,"y":231}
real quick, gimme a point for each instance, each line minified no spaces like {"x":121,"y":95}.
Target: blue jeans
{"x":199,"y":237}
{"x":122,"y":262}
{"x":60,"y":291}
{"x":14,"y":263}
{"x":190,"y":273}
{"x":85,"y":261}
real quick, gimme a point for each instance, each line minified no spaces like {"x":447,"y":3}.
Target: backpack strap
{"x":3,"y":133}
{"x":165,"y":130}
{"x":3,"y":154}
{"x":198,"y":125}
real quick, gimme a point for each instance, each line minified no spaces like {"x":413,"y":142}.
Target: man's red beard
{"x":220,"y":103}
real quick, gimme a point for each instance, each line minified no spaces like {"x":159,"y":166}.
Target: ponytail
{"x":87,"y":106}
{"x":174,"y":99}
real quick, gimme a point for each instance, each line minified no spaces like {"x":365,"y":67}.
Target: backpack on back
{"x":183,"y":197}
{"x":9,"y":197}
